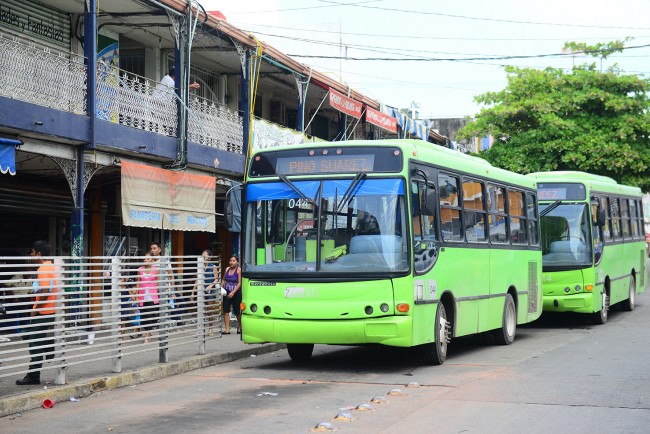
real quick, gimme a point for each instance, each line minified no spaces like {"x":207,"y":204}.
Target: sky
{"x":455,"y":37}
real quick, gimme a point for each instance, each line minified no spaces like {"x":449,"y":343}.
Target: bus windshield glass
{"x":360,"y":225}
{"x":566,"y":237}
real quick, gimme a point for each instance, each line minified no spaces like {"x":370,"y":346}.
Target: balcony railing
{"x":135,"y":101}
{"x":138,"y":102}
{"x":215,"y":125}
{"x":36,"y":75}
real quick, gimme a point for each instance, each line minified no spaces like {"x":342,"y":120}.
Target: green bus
{"x":395,"y":242}
{"x":593,"y":243}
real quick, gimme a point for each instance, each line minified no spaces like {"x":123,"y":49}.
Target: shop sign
{"x":38,"y":20}
{"x":344,"y":104}
{"x":382,"y":120}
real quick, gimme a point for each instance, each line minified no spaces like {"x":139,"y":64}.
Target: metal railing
{"x":39,"y":76}
{"x":98,"y":314}
{"x":137,"y":102}
{"x":215,"y":125}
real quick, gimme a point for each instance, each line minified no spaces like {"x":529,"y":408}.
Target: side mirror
{"x":232,"y":209}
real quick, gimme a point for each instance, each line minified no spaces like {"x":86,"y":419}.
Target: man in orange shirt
{"x":42,"y":315}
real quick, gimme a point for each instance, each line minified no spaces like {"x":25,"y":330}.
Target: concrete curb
{"x":86,"y":387}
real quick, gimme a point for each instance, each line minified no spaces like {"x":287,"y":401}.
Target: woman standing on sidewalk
{"x":232,"y":284}
{"x":147,"y":283}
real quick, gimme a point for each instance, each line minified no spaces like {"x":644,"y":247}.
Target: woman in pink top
{"x":147,"y":283}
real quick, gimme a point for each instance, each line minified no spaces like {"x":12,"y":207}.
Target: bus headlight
{"x":383,"y":307}
{"x":253,"y":308}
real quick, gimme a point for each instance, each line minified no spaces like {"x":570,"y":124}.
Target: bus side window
{"x":474,"y":215}
{"x":517,"y":213}
{"x":533,"y":226}
{"x":497,"y":216}
{"x":607,"y":228}
{"x":625,"y":218}
{"x":423,"y":213}
{"x":450,"y":223}
{"x":616,"y":218}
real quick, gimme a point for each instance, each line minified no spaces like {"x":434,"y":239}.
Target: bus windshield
{"x":566,"y":236}
{"x":360,"y":225}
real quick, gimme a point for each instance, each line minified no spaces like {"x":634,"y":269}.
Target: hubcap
{"x":510,"y":319}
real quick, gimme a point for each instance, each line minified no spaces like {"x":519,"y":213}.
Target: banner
{"x":269,"y":135}
{"x":344,"y":104}
{"x":378,"y":118}
{"x":165,"y":199}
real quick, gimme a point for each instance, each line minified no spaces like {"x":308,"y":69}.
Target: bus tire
{"x":600,"y":317}
{"x":628,"y":305}
{"x":300,"y":352}
{"x":506,"y":334}
{"x":435,"y":353}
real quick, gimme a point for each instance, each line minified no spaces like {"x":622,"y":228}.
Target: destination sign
{"x":561,"y":191}
{"x":327,"y":160}
{"x":325,"y":164}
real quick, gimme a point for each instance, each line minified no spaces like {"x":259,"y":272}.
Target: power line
{"x":435,"y":38}
{"x":455,"y":59}
{"x":360,"y":47}
{"x":498,"y":20}
{"x":301,"y":9}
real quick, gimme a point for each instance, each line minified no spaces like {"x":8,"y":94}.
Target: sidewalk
{"x":83,"y":380}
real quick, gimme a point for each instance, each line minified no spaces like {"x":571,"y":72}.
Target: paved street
{"x":562,"y":374}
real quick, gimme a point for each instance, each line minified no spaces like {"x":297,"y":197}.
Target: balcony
{"x":58,"y":81}
{"x":38,"y":76}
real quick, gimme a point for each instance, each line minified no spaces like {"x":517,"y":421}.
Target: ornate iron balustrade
{"x":39,"y":76}
{"x":135,"y":101}
{"x":215,"y":125}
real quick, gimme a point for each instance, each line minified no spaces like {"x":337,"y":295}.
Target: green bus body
{"x":453,"y":248}
{"x":590,"y":263}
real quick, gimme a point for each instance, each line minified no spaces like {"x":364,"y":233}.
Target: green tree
{"x":585,"y":119}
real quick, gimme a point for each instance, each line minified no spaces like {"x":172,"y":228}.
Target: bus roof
{"x":431,"y":153}
{"x":596,"y":183}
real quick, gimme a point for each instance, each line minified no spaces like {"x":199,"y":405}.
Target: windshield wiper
{"x":297,"y":190}
{"x":550,"y":208}
{"x":349,"y":193}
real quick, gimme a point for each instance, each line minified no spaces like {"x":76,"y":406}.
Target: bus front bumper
{"x":580,"y":303}
{"x":393,"y":331}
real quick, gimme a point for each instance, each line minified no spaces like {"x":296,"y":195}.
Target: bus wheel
{"x":506,"y":334}
{"x":628,"y":304}
{"x":300,"y":352}
{"x":600,"y":317}
{"x":435,"y":353}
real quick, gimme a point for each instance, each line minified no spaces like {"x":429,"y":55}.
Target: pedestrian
{"x":42,"y":314}
{"x":126,"y":304}
{"x":147,"y":284}
{"x":175,"y":299}
{"x":211,"y":288}
{"x":169,"y":82}
{"x":231,"y":283}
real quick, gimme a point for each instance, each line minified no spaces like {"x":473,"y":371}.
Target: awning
{"x":165,"y":199}
{"x":8,"y":155}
